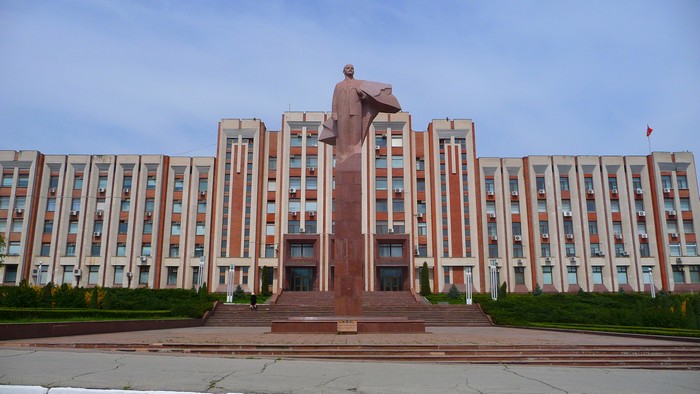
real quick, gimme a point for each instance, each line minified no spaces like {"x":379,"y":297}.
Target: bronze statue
{"x":355,"y":105}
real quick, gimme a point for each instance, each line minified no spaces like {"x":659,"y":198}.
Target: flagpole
{"x":649,"y":139}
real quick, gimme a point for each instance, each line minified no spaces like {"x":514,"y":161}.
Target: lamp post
{"x":129,"y":275}
{"x":77,"y":273}
{"x":652,"y":289}
{"x":469,"y":287}
{"x":200,"y":273}
{"x":229,"y":284}
{"x":494,"y":279}
{"x":38,"y":273}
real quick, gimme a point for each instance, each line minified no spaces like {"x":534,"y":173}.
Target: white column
{"x":469,"y":288}
{"x":229,"y":284}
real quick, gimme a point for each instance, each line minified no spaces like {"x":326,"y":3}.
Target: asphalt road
{"x":135,"y":371}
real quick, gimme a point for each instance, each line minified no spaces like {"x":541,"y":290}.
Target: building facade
{"x":560,"y":223}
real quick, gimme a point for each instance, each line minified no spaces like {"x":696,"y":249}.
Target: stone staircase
{"x":375,"y":304}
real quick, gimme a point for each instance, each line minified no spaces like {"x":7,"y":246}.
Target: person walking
{"x":253,"y":301}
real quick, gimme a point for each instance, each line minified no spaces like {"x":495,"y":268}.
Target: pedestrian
{"x":253,"y":301}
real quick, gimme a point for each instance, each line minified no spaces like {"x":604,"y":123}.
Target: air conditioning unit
{"x":143,"y":260}
{"x":420,"y":216}
{"x":644,"y":236}
{"x":149,"y":214}
{"x":309,"y":134}
{"x":568,"y":214}
{"x":52,"y":190}
{"x":624,"y":253}
{"x":545,"y":236}
{"x":19,"y":211}
{"x":74,"y":213}
{"x":377,"y":147}
{"x":416,"y":252}
{"x":548,"y":260}
{"x":292,"y":156}
{"x":569,"y":236}
{"x":639,"y":190}
{"x":641,"y":213}
{"x":97,"y":234}
{"x":299,"y":135}
{"x":667,"y":190}
{"x":302,"y":230}
{"x":489,"y":192}
{"x":514,"y":193}
{"x":203,"y":193}
{"x":126,"y":190}
{"x":292,"y":190}
{"x":674,"y":235}
{"x":391,"y":230}
{"x":518,"y":238}
{"x":600,"y":253}
{"x":35,"y":272}
{"x":590,"y":191}
{"x":312,"y":213}
{"x":492,"y":215}
{"x":312,"y":169}
{"x":618,"y":236}
{"x":613,"y":191}
{"x":101,"y":190}
{"x":679,"y":260}
{"x":671,"y":213}
{"x":541,"y":191}
{"x":398,"y":190}
{"x":78,"y":272}
{"x":493,"y":238}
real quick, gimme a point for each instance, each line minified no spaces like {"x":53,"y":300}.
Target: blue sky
{"x":537,"y":77}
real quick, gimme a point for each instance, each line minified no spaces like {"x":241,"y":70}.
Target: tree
{"x":2,"y":250}
{"x":453,"y":293}
{"x":425,"y":280}
{"x":265,"y":286}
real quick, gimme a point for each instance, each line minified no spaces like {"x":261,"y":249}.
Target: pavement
{"x":53,"y":370}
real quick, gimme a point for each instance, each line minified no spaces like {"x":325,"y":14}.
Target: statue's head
{"x":349,"y":70}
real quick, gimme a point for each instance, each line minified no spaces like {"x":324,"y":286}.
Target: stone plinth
{"x":340,"y":324}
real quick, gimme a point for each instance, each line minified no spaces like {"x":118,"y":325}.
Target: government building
{"x":555,"y":223}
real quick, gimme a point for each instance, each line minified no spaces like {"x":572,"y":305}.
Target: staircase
{"x":375,"y":304}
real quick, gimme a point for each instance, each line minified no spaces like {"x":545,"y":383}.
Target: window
{"x":513,"y":184}
{"x":311,"y":183}
{"x":597,"y":275}
{"x":121,"y":249}
{"x":174,"y":250}
{"x":269,"y":250}
{"x":666,"y":182}
{"x":294,"y":205}
{"x":311,"y":206}
{"x":545,"y":250}
{"x":271,"y":164}
{"x":493,"y":250}
{"x":541,"y":205}
{"x":617,"y":227}
{"x":396,"y":141}
{"x":311,"y":140}
{"x":688,"y":227}
{"x":102,"y":182}
{"x":682,"y":181}
{"x":678,"y":276}
{"x":202,"y":207}
{"x":7,"y":180}
{"x":636,"y":182}
{"x":198,"y":250}
{"x":685,"y":204}
{"x":588,"y":183}
{"x":590,"y":206}
{"x":517,"y":228}
{"x":301,"y":250}
{"x":547,"y":275}
{"x":17,"y":225}
{"x":78,"y":183}
{"x":13,"y":248}
{"x":397,"y":205}
{"x":570,"y":250}
{"x":200,"y":229}
{"x":397,"y":162}
{"x":67,"y":274}
{"x":691,"y":249}
{"x":271,"y":207}
{"x":177,"y":206}
{"x":5,"y":202}
{"x":20,"y":202}
{"x":540,"y":183}
{"x":492,"y":229}
{"x":518,"y":250}
{"x":23,"y":181}
{"x":179,"y":184}
{"x":97,"y":227}
{"x":70,"y":249}
{"x":148,"y":227}
{"x":45,"y":249}
{"x":446,"y":275}
{"x":293,"y":227}
{"x":270,"y":229}
{"x":126,"y":204}
{"x":222,"y":275}
{"x":519,"y":275}
{"x":203,"y":185}
{"x":143,"y":274}
{"x":93,"y":274}
{"x":95,"y":249}
{"x":639,"y":205}
{"x":674,"y":250}
{"x":592,"y":228}
{"x":566,"y":205}
{"x":48,"y":226}
{"x":571,"y":276}
{"x":127,"y":182}
{"x":123,"y":227}
{"x":421,"y":208}
{"x":490,"y":207}
{"x":672,"y":226}
{"x":420,"y":184}
{"x":564,"y":183}
{"x":620,"y":250}
{"x":151,"y":182}
{"x":612,"y":183}
{"x":515,"y":207}
{"x":175,"y":228}
{"x":172,"y":276}
{"x":422,"y":228}
{"x":73,"y":227}
{"x":644,"y":250}
{"x":382,"y":226}
{"x":390,"y":250}
{"x":489,"y":186}
{"x":271,"y":185}
{"x":380,"y":183}
{"x":75,"y":204}
{"x":669,"y":205}
{"x":595,"y":248}
{"x":244,"y":275}
{"x":568,"y":227}
{"x":10,"y":273}
{"x":294,"y":160}
{"x":295,"y":182}
{"x":622,"y":275}
{"x":50,"y":204}
{"x":295,"y":139}
{"x":150,"y":204}
{"x":146,"y":249}
{"x":615,"y":206}
{"x":380,"y":162}
{"x":694,"y":271}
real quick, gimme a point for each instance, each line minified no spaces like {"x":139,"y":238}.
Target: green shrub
{"x":425,"y":280}
{"x":266,"y":278}
{"x":453,"y":293}
{"x":503,"y":290}
{"x":239,"y":294}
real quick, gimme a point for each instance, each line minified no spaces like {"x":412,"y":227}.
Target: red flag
{"x":649,"y":130}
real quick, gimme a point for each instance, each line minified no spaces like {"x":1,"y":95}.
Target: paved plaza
{"x":59,"y":367}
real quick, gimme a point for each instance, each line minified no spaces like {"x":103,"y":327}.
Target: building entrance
{"x":390,"y":279}
{"x":301,"y":279}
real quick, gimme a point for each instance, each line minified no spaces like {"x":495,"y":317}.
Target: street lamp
{"x":129,"y":275}
{"x":652,"y":289}
{"x":494,"y":279}
{"x":200,"y":273}
{"x":38,"y":273}
{"x":469,"y":287}
{"x":229,"y":284}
